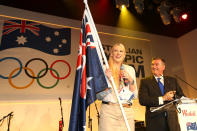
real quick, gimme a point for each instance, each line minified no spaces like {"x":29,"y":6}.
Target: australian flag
{"x":191,"y":126}
{"x":22,"y":33}
{"x":90,"y":78}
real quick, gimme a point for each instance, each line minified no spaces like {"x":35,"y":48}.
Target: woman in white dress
{"x":111,"y":118}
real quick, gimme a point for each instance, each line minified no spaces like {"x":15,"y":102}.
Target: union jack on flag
{"x":11,"y":26}
{"x":22,"y":33}
{"x":90,"y":78}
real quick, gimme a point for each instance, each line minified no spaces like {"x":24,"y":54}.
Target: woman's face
{"x":118,"y":53}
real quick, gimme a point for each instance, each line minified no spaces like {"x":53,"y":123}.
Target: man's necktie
{"x":161,"y":86}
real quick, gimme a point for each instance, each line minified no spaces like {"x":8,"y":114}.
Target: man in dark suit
{"x":152,"y":95}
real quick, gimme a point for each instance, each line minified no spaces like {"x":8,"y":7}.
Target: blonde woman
{"x":111,"y":118}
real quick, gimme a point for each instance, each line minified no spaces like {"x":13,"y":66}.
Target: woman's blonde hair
{"x":115,"y":72}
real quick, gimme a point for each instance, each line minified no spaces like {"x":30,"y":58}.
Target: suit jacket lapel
{"x":155,"y":85}
{"x":166,"y":84}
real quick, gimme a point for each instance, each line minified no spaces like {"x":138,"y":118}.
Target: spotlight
{"x":164,"y":10}
{"x":120,"y":3}
{"x":176,"y":13}
{"x":122,"y":7}
{"x":139,"y":5}
{"x":184,"y":16}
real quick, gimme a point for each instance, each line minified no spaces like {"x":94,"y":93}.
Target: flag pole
{"x":107,"y":65}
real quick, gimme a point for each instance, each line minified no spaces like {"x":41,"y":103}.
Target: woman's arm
{"x":132,"y":80}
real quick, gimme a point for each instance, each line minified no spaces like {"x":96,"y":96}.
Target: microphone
{"x":126,"y":81}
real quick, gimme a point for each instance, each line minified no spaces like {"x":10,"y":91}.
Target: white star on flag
{"x":21,"y":40}
{"x":89,"y":79}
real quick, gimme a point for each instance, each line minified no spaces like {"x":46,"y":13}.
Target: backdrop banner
{"x":38,"y":61}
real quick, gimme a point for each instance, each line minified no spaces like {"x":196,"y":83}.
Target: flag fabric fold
{"x":89,"y":79}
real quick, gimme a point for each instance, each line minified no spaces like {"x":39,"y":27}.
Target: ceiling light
{"x":176,"y":13}
{"x":139,"y":5}
{"x":164,"y":10}
{"x":184,"y":16}
{"x":120,"y":3}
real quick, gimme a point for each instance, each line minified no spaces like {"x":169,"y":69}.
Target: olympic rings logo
{"x":32,"y":75}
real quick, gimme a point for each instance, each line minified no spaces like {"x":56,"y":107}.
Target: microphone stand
{"x":9,"y":118}
{"x":185,"y":82}
{"x":97,"y":112}
{"x":90,"y":120}
{"x":62,"y":119}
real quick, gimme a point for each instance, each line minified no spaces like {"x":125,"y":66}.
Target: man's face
{"x":157,"y":67}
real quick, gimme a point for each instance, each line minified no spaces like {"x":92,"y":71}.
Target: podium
{"x":186,"y":110}
{"x":187,"y":114}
